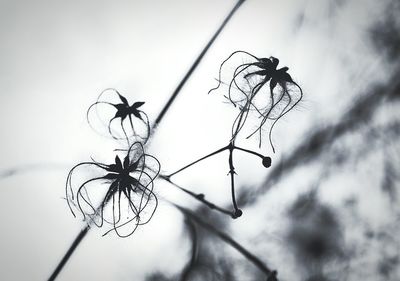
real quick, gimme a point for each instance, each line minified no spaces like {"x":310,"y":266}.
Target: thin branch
{"x":68,"y":254}
{"x":195,"y":64}
{"x":198,"y":160}
{"x":266,"y":161}
{"x":200,"y":197}
{"x":232,"y":173}
{"x":249,"y":151}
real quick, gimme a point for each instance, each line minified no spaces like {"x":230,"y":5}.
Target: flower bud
{"x":266,"y":162}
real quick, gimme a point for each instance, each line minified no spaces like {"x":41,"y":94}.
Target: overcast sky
{"x":57,"y":56}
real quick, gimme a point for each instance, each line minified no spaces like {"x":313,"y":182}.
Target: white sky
{"x":57,"y":56}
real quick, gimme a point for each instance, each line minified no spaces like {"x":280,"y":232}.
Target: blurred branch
{"x":31,"y":167}
{"x":193,"y":234}
{"x":226,"y":238}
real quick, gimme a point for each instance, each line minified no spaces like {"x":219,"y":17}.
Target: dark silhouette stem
{"x":212,"y":154}
{"x":195,"y":64}
{"x":199,"y":197}
{"x":68,"y":254}
{"x":231,"y":147}
{"x":198,"y":160}
{"x":237,"y":211}
{"x":249,"y":151}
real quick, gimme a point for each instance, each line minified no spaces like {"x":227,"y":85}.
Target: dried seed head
{"x":121,"y":195}
{"x":257,"y":87}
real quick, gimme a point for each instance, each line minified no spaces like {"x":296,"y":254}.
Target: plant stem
{"x":195,"y":64}
{"x":68,"y":254}
{"x":199,"y":197}
{"x":249,"y":151}
{"x":198,"y":160}
{"x":237,"y":212}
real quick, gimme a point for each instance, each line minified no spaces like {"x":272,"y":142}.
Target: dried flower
{"x":247,"y":90}
{"x":127,"y":186}
{"x":133,"y":122}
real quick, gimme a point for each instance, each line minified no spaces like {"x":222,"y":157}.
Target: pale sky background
{"x":57,"y":56}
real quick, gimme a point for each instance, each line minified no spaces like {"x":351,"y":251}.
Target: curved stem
{"x":249,"y":151}
{"x":237,"y":211}
{"x":199,"y":197}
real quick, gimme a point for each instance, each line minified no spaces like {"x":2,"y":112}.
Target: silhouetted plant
{"x":246,"y":90}
{"x":128,"y":186}
{"x":122,"y":194}
{"x":263,"y":93}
